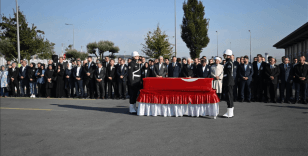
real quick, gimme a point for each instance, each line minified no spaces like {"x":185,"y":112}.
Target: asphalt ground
{"x":104,"y":127}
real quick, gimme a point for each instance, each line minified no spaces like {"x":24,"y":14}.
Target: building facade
{"x":296,"y":43}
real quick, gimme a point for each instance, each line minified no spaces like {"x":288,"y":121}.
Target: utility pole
{"x":18,"y":44}
{"x":217,"y":42}
{"x":250,"y":44}
{"x":175,"y":24}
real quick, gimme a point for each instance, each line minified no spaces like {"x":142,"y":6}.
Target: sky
{"x":126,"y":23}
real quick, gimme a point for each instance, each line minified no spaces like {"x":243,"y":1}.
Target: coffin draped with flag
{"x":178,"y":97}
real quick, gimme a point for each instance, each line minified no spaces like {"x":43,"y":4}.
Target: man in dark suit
{"x":204,"y":71}
{"x":106,"y":65}
{"x":245,"y":73}
{"x":167,"y":65}
{"x":111,"y":75}
{"x":116,"y":91}
{"x":236,"y":89}
{"x":271,"y":74}
{"x":122,"y":78}
{"x":285,"y":79}
{"x":64,"y":64}
{"x":24,"y":79}
{"x":300,"y":80}
{"x":258,"y":80}
{"x":89,"y":70}
{"x":160,"y":69}
{"x":189,"y":70}
{"x":13,"y":74}
{"x":78,"y":74}
{"x":174,"y":68}
{"x":99,"y":77}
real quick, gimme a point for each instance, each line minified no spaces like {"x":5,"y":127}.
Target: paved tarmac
{"x":104,"y":127}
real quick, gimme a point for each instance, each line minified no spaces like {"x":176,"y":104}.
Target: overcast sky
{"x":126,"y":22}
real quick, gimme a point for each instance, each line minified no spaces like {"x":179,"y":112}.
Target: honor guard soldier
{"x":134,"y":77}
{"x":228,"y":82}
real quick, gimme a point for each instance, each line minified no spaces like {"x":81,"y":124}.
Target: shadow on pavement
{"x":111,"y":110}
{"x":295,"y":107}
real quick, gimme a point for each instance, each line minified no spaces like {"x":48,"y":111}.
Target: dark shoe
{"x":289,"y":102}
{"x":282,"y":101}
{"x":295,"y":102}
{"x":304,"y":102}
{"x":274,"y":101}
{"x":242,"y":100}
{"x":248,"y":101}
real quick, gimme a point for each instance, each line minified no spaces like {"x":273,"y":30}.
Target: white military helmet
{"x":135,"y":53}
{"x":228,"y":52}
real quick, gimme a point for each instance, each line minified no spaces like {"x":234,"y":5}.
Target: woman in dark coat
{"x":59,"y":81}
{"x":40,"y":80}
{"x":145,"y":72}
{"x":49,"y":77}
{"x":32,"y":79}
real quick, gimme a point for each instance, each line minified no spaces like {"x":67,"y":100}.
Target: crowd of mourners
{"x":254,"y":82}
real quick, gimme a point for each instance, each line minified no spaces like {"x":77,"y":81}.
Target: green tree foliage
{"x":5,"y":47}
{"x":47,"y":51}
{"x":99,"y":48}
{"x":194,"y":27}
{"x":31,"y":40}
{"x":157,"y":44}
{"x":74,"y":54}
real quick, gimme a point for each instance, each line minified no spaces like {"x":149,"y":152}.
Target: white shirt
{"x":173,"y":64}
{"x":122,"y":67}
{"x":23,"y":68}
{"x":78,"y":68}
{"x":145,"y":73}
{"x":203,"y":68}
{"x":245,"y":66}
{"x":111,"y":68}
{"x":160,"y":65}
{"x":99,"y":70}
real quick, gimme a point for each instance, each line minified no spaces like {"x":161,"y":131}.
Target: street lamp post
{"x":250,"y":44}
{"x":18,"y":44}
{"x":217,"y":42}
{"x":175,"y":24}
{"x":73,"y":34}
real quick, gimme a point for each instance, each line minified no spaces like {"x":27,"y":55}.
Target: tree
{"x":47,"y":51}
{"x":31,"y":39}
{"x":194,"y":27}
{"x":101,"y":47}
{"x":92,"y":48}
{"x":5,"y":48}
{"x":74,"y":54}
{"x":157,"y":44}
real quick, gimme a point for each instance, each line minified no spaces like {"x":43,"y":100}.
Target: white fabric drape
{"x":196,"y":110}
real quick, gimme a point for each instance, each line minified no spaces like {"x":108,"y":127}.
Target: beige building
{"x":296,"y":43}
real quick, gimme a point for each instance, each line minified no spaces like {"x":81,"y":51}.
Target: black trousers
{"x":122,"y":89}
{"x":300,"y":91}
{"x":48,"y":92}
{"x":14,"y":84}
{"x":100,"y":88}
{"x":245,"y":89}
{"x":271,"y":91}
{"x":235,"y":90}
{"x":105,"y":86}
{"x":133,"y":95}
{"x":285,"y":86}
{"x":229,"y":95}
{"x":111,"y":84}
{"x":258,"y":89}
{"x":41,"y":89}
{"x":90,"y":88}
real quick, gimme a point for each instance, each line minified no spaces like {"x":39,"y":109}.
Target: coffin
{"x":178,"y":84}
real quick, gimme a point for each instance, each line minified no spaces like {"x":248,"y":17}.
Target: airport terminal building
{"x":296,"y":43}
